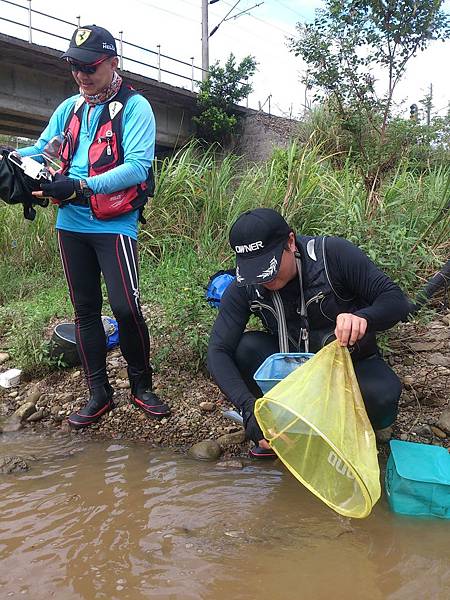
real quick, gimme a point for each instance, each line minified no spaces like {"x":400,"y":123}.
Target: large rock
{"x":33,"y":396}
{"x":206,"y":450}
{"x":231,"y":438}
{"x":444,"y":421}
{"x":12,"y":464}
{"x":25,"y":410}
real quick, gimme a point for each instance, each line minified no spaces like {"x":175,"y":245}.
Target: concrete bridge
{"x":34,"y":80}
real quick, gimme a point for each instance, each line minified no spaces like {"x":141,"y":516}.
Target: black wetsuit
{"x":337,"y":277}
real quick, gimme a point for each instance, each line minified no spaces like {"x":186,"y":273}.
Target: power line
{"x":290,"y":33}
{"x":168,"y":11}
{"x":291,"y":9}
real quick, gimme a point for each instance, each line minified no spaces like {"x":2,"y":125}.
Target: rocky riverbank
{"x":419,"y":354}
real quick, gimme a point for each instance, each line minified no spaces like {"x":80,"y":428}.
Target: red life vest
{"x":106,"y":153}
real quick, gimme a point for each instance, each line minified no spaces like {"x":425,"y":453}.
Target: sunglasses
{"x":84,"y":68}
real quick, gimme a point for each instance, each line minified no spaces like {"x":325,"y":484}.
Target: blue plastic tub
{"x":418,"y":480}
{"x":278,"y":366}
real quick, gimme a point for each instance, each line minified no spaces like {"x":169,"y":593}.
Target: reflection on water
{"x":115,"y":520}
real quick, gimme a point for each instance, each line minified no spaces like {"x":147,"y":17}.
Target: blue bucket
{"x":418,"y":480}
{"x":278,"y":366}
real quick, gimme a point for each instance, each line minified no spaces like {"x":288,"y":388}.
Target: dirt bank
{"x":419,"y":354}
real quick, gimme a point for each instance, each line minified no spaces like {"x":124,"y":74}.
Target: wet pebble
{"x":43,"y":400}
{"x":12,"y":464}
{"x":423,"y":430}
{"x":66,"y":398}
{"x":438,"y":432}
{"x":37,"y":416}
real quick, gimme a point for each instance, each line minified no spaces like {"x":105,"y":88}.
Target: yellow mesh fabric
{"x":316,"y":422}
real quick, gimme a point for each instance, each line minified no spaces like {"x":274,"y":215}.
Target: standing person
{"x":306,"y":291}
{"x":108,"y":142}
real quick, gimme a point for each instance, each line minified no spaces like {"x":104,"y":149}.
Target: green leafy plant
{"x":219,"y":93}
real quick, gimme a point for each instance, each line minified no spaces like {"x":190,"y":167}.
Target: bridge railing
{"x":161,"y":66}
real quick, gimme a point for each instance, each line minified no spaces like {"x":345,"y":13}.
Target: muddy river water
{"x":115,"y":520}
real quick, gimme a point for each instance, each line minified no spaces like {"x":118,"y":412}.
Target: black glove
{"x":63,"y":188}
{"x":252,"y":429}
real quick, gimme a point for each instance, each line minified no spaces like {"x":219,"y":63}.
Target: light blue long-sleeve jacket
{"x":138,"y":141}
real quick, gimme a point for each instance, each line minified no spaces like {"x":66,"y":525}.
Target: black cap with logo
{"x":258,"y":237}
{"x":89,"y":43}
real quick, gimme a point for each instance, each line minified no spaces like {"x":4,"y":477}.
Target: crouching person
{"x":306,"y":291}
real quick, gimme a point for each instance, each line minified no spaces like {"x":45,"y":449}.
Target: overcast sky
{"x":176,"y":26}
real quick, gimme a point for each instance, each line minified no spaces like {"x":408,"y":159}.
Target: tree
{"x":348,"y":46}
{"x":219,"y":93}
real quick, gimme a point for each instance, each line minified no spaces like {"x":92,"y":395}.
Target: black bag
{"x":16,"y":187}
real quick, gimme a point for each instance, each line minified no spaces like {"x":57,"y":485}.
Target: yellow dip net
{"x":316,"y":422}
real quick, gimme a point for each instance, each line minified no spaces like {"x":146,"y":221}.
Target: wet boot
{"x":258,"y":452}
{"x":100,"y":402}
{"x":143,"y":397}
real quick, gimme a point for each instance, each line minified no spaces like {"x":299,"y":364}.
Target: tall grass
{"x":198,"y":196}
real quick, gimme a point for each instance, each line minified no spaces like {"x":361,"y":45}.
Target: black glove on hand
{"x":63,"y":188}
{"x":252,"y":429}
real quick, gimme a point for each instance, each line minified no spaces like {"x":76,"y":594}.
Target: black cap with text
{"x":90,"y":43}
{"x":258,"y":237}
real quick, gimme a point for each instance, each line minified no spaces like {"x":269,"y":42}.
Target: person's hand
{"x":349,"y":329}
{"x":252,"y":429}
{"x":62,"y":188}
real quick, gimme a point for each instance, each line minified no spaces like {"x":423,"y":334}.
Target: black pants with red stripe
{"x":85,"y":257}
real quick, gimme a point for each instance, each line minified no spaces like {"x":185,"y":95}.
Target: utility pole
{"x":205,"y":40}
{"x":205,"y":29}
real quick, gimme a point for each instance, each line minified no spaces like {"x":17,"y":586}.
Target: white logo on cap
{"x":107,"y":46}
{"x":270,"y":271}
{"x":249,"y":247}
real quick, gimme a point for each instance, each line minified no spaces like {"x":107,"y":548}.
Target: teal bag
{"x":418,"y":479}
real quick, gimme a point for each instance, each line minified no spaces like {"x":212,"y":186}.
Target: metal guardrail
{"x":121,"y":42}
